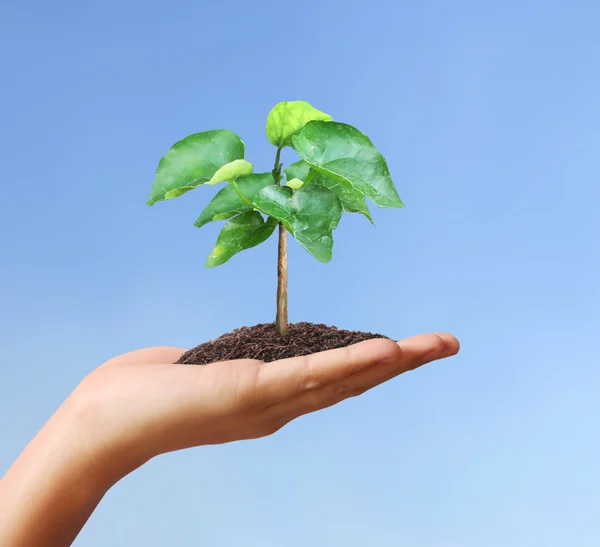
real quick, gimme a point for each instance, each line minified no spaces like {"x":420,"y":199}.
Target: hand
{"x":139,"y":405}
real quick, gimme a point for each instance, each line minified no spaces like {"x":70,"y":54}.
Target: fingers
{"x":424,"y":348}
{"x":158,"y":354}
{"x":416,"y":352}
{"x":281,"y":380}
{"x":350,"y":370}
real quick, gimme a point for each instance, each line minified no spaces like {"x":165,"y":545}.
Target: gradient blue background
{"x":489,"y":115}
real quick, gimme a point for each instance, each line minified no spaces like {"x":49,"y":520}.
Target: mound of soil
{"x":262,"y":342}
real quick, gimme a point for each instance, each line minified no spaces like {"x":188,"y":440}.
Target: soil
{"x":264,"y":343}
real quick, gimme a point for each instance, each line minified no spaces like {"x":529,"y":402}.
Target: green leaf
{"x":193,"y":161}
{"x":274,"y":200}
{"x":310,"y":214}
{"x":352,"y":199}
{"x":343,"y":153}
{"x":288,"y":117}
{"x":241,"y":232}
{"x":227,"y":202}
{"x":231,"y":170}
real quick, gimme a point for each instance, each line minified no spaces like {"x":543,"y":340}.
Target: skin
{"x":139,"y":405}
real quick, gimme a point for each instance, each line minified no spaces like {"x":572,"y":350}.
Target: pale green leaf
{"x":294,"y":184}
{"x":227,"y":202}
{"x":193,"y":161}
{"x":288,"y":117}
{"x":343,"y":153}
{"x":230,"y":171}
{"x":310,"y":214}
{"x":242,"y":232}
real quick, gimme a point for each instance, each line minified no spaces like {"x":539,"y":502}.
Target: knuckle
{"x":313,"y":400}
{"x":273,"y":426}
{"x":356,"y":391}
{"x":309,"y":382}
{"x":346,"y":392}
{"x":440,"y":344}
{"x":352,"y":357}
{"x":343,"y":390}
{"x":248,"y":386}
{"x":359,"y":391}
{"x":341,"y":393}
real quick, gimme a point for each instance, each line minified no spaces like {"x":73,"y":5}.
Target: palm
{"x":156,"y":406}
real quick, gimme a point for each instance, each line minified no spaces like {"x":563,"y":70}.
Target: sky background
{"x":489,"y":116}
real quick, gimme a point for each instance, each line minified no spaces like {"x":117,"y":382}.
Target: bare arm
{"x":49,"y":493}
{"x":52,"y":489}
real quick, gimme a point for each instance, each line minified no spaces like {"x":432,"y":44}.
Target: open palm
{"x":139,"y":405}
{"x":146,"y":405}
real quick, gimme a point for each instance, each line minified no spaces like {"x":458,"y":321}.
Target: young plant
{"x":339,"y":168}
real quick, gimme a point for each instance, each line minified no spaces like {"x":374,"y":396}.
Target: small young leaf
{"x":298,"y":170}
{"x":343,"y":153}
{"x":241,"y":232}
{"x":311,"y":214}
{"x":193,"y":161}
{"x":288,"y":117}
{"x":231,"y":170}
{"x":294,"y":184}
{"x":227,"y":202}
{"x":353,"y":201}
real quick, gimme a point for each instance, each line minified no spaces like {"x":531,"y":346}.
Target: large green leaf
{"x":241,"y":232}
{"x":288,"y":117}
{"x":343,"y":153}
{"x":193,"y":161}
{"x":227,"y":202}
{"x":310,"y":214}
{"x":230,"y":171}
{"x":352,"y":199}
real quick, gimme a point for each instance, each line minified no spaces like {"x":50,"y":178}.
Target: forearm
{"x":52,"y":489}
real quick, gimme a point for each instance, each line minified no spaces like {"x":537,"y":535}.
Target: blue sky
{"x":489,"y":116}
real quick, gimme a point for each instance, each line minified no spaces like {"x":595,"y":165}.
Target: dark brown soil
{"x":262,"y":342}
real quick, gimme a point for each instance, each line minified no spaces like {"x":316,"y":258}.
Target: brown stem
{"x":281,"y":320}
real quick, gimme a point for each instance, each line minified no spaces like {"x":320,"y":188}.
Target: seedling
{"x":339,"y":168}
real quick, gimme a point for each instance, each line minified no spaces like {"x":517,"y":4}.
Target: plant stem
{"x":277,"y":168}
{"x":281,"y":319}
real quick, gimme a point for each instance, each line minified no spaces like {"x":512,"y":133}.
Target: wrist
{"x":107,"y":458}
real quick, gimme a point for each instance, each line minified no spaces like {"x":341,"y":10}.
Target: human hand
{"x":140,"y":405}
